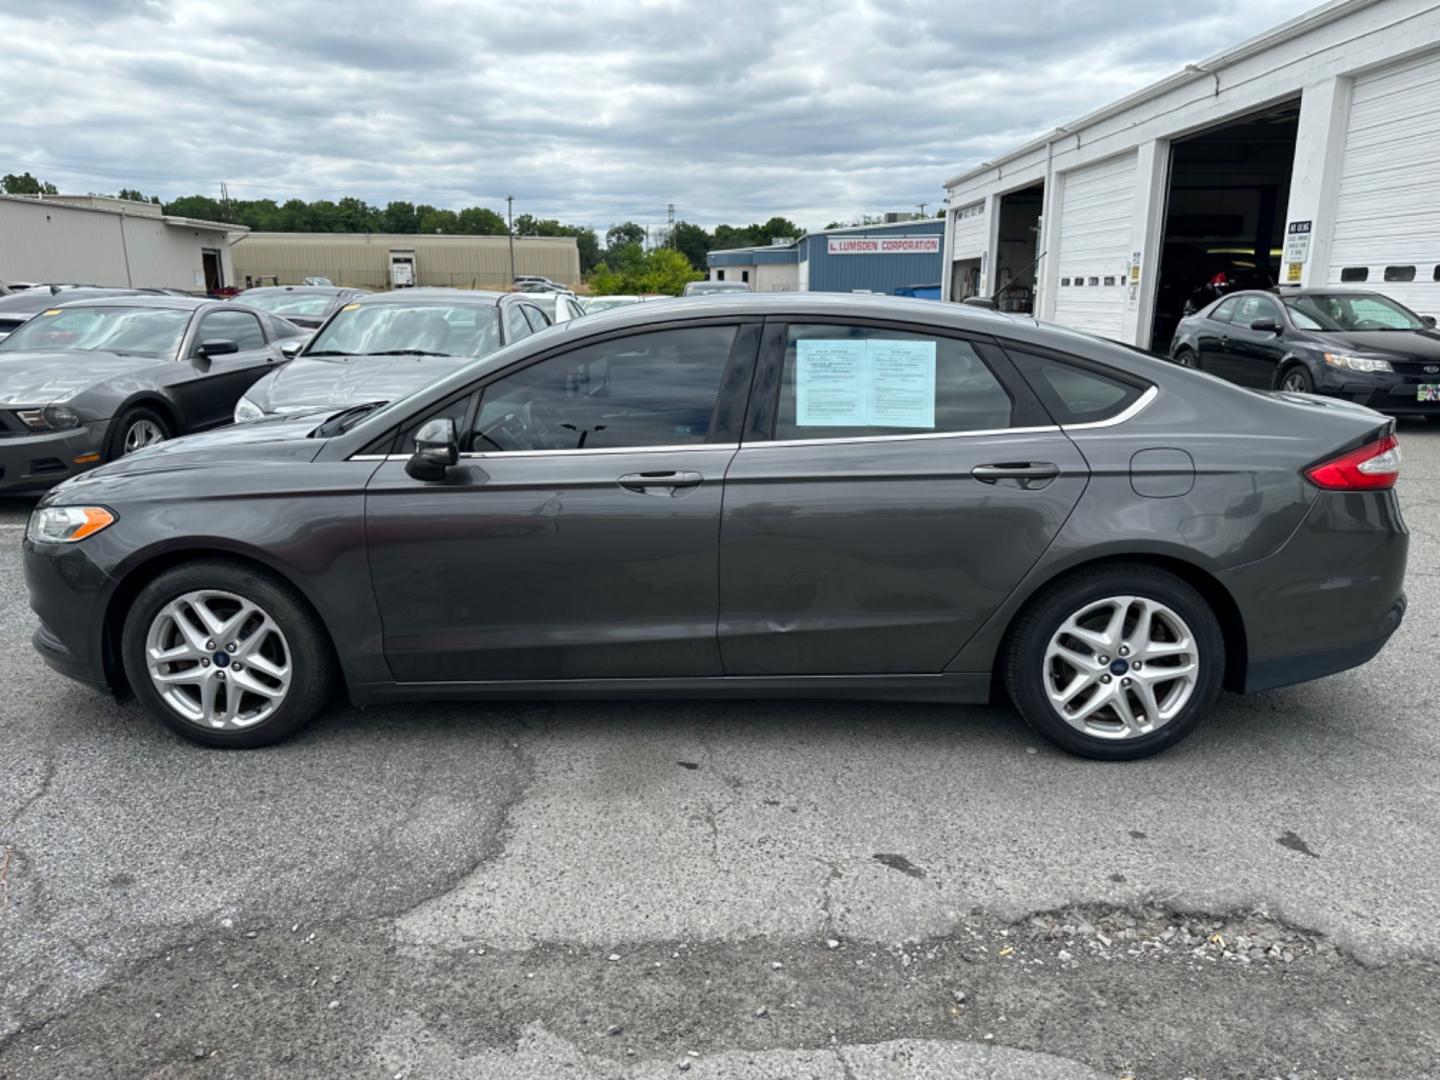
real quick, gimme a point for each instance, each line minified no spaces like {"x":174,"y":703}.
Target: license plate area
{"x":1427,"y":392}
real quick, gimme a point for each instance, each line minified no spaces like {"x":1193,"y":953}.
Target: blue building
{"x":899,"y":258}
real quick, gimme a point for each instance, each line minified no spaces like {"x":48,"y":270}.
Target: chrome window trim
{"x":765,"y":443}
{"x":479,"y":455}
{"x":1138,"y":406}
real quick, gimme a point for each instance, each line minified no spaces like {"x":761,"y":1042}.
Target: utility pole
{"x":225,"y":198}
{"x":922,"y":208}
{"x":670,"y":224}
{"x":510,"y":219}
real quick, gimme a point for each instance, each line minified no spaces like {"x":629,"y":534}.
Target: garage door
{"x":1097,"y":204}
{"x":971,"y":235}
{"x":1387,"y":215}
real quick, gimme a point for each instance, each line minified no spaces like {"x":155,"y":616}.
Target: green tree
{"x":727,"y":236}
{"x":481,"y":221}
{"x":25,"y":184}
{"x":777,"y":228}
{"x":196,"y":206}
{"x":629,"y":268}
{"x":625,"y":233}
{"x":693,"y":242}
{"x":131,"y":195}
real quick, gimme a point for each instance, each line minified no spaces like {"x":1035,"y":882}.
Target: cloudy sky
{"x":589,"y":112}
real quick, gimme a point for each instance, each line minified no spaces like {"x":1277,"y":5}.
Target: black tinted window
{"x":1354,"y":273}
{"x":1075,"y":394}
{"x":240,"y":327}
{"x":858,"y":381}
{"x":656,"y":389}
{"x":1399,"y":273}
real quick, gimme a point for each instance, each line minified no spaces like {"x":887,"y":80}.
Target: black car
{"x":304,"y":305}
{"x":87,"y":381}
{"x":793,"y":495}
{"x":383,"y":346}
{"x":1361,"y":346}
{"x":20,"y":306}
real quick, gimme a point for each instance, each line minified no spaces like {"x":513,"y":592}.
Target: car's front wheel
{"x":226,"y":655}
{"x":1116,"y":662}
{"x":135,"y":429}
{"x":1186,"y":358}
{"x":1297,"y":380}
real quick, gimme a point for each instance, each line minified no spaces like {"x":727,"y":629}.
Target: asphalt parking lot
{"x":727,"y":889}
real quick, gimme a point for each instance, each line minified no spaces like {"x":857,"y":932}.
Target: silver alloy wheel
{"x":218,"y":660}
{"x":1294,"y":382}
{"x":142,"y":433}
{"x":1121,"y":667}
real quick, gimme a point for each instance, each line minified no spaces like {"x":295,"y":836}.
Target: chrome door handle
{"x":667,"y":482}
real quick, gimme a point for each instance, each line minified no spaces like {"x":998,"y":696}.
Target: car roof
{"x":321,"y":290}
{"x":829,"y":305}
{"x":144,"y":300}
{"x":42,"y":298}
{"x":482,"y":297}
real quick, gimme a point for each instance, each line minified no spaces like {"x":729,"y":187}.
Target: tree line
{"x":623,"y":244}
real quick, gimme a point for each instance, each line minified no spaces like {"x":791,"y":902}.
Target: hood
{"x":1423,"y":345}
{"x":48,"y":378}
{"x":334,"y":383}
{"x":279,"y":439}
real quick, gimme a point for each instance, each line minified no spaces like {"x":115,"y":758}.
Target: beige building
{"x":96,"y":240}
{"x":384,"y":261}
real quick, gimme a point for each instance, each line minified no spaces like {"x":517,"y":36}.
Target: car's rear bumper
{"x":39,"y":461}
{"x":1331,"y":595}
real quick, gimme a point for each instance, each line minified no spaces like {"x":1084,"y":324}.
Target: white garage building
{"x":1309,"y":155}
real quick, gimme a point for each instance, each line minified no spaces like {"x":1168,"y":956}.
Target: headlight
{"x":246,"y":410}
{"x":1357,"y":363}
{"x":54,"y":418}
{"x":67,"y":524}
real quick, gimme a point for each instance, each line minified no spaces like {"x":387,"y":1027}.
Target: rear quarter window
{"x":1073,"y":393}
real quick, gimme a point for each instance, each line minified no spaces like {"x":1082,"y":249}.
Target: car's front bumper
{"x":34,"y":462}
{"x":69,"y":593}
{"x":1395,"y":394}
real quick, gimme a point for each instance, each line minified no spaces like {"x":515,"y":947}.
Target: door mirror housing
{"x":1265,"y":326}
{"x":217,"y":347}
{"x":290,"y":347}
{"x":436,"y":449}
{"x":1428,"y":320}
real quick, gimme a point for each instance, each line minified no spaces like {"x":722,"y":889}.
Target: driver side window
{"x":654,"y":389}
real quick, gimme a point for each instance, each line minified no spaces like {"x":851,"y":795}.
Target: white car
{"x":560,"y":307}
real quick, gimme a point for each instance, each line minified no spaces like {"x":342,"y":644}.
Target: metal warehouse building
{"x":384,"y":261}
{"x":96,"y":240}
{"x":1309,"y":155}
{"x":862,"y":258}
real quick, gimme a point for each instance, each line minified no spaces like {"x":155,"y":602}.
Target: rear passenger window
{"x":1075,"y":394}
{"x":1226,"y":310}
{"x":516,"y":328}
{"x":857,"y":381}
{"x":538,"y":319}
{"x":1354,"y":273}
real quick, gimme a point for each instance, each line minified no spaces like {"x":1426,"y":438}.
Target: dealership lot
{"x":804,"y":889}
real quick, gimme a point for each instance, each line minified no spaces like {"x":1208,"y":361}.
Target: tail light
{"x":1374,"y":467}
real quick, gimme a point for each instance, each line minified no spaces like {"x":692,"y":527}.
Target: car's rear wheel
{"x":1117,"y":662}
{"x":1297,"y":380}
{"x":135,"y":429}
{"x":226,"y":655}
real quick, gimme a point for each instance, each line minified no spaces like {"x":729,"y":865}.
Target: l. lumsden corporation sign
{"x":887,"y":245}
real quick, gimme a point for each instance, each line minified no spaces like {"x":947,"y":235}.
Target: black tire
{"x":1023,"y":663}
{"x":1187,"y":358}
{"x":1297,"y":374}
{"x":312,"y":677}
{"x":120,"y":429}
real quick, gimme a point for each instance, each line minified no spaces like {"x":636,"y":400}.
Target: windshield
{"x":1350,"y":311}
{"x":134,"y":331}
{"x":427,"y":329}
{"x":288,"y":303}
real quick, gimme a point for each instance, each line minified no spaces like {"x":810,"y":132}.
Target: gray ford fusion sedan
{"x":777,"y":495}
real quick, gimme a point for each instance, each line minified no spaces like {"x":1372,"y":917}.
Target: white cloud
{"x":592,"y":113}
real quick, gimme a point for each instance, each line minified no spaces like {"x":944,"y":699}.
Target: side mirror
{"x":981,"y":301}
{"x":436,"y":449}
{"x":1265,"y":326}
{"x":1428,"y":320}
{"x":290,"y":347}
{"x":217,"y":347}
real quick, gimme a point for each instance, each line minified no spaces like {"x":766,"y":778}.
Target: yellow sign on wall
{"x":1292,"y":273}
